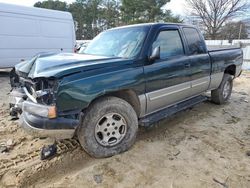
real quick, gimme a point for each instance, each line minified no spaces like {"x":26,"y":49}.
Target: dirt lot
{"x":206,"y":146}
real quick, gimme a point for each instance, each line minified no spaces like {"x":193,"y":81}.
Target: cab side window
{"x":170,"y":44}
{"x":195,"y":42}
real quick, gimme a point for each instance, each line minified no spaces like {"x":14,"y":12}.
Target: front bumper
{"x":59,"y":128}
{"x":34,"y":118}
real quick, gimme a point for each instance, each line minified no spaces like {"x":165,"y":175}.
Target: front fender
{"x":77,"y":91}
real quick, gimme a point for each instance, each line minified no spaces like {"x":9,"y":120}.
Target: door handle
{"x":187,"y":65}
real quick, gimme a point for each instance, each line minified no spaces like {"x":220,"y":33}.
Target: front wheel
{"x":109,"y":127}
{"x":222,"y":94}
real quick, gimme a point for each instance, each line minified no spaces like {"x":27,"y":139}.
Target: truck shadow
{"x":176,"y":125}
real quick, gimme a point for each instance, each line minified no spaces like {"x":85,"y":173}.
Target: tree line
{"x":217,"y":18}
{"x":93,"y":16}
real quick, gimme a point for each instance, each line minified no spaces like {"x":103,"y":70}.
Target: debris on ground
{"x":3,"y":149}
{"x":98,"y":178}
{"x":221,"y":183}
{"x":48,"y":152}
{"x":6,"y":146}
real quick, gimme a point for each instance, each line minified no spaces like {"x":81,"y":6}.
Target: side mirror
{"x":201,"y":49}
{"x":155,"y":54}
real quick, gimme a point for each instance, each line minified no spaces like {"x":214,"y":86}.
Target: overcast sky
{"x":27,"y":2}
{"x":176,"y":6}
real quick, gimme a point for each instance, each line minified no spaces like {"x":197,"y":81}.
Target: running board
{"x":157,"y":116}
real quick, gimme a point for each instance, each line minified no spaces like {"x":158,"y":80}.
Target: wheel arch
{"x":231,"y":69}
{"x":128,"y":95}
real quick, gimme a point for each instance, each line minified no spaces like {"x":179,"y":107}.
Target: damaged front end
{"x":40,"y":91}
{"x":33,"y":101}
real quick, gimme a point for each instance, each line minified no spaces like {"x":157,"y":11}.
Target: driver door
{"x":167,"y":78}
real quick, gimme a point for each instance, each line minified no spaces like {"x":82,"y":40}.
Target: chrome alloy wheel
{"x":226,"y":89}
{"x":110,"y":129}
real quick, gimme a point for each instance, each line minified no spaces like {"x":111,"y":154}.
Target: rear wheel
{"x":222,"y":94}
{"x":108,"y":127}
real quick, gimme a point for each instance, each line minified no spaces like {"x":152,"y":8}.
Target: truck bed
{"x":224,"y":57}
{"x":221,"y":48}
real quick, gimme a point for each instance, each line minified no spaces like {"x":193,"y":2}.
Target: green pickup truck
{"x":127,"y":76}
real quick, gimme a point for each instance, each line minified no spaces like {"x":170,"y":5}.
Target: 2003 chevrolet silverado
{"x":127,"y":76}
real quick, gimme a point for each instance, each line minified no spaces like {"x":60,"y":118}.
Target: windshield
{"x":124,"y":43}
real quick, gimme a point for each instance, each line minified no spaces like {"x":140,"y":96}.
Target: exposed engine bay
{"x":38,"y":90}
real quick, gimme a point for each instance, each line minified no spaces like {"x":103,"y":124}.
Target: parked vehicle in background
{"x":126,"y":76}
{"x":81,"y":45}
{"x":27,"y":31}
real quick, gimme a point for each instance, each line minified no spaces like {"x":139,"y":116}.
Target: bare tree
{"x":214,"y":13}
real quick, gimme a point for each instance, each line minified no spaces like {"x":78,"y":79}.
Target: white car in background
{"x":27,"y":31}
{"x":81,"y":45}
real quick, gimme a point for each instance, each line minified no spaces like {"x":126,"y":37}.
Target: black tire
{"x":87,"y":135}
{"x":217,"y":95}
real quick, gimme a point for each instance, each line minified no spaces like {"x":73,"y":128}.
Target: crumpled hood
{"x":57,"y":65}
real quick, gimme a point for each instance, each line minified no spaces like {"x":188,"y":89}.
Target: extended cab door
{"x":200,"y":65}
{"x":167,"y":78}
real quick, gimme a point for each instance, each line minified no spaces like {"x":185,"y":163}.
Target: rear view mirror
{"x":155,"y":54}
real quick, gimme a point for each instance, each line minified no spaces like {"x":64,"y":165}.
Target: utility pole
{"x":240,"y":30}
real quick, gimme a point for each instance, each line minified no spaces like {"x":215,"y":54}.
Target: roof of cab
{"x":152,"y":24}
{"x":34,"y":11}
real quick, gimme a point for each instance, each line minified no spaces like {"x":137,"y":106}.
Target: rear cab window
{"x":194,"y":41}
{"x":170,"y":44}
